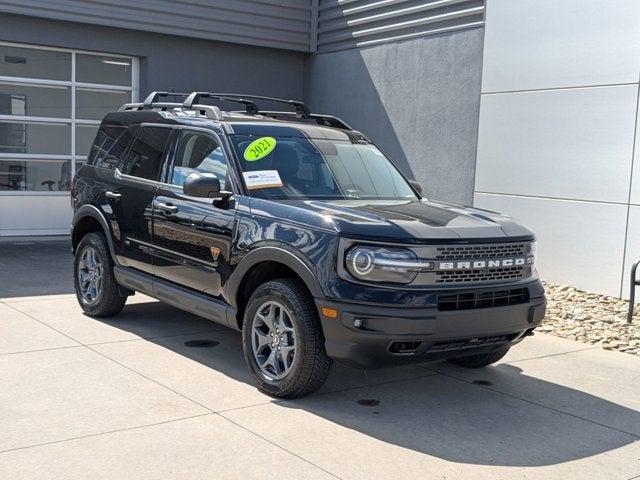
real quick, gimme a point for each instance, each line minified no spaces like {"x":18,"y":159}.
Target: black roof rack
{"x":324,"y":120}
{"x":251,"y":107}
{"x":191,"y":102}
{"x":300,"y":107}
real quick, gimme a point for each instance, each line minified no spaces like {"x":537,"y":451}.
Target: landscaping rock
{"x":590,"y":318}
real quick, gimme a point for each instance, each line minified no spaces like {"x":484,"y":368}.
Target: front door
{"x":138,"y":182}
{"x":192,"y":236}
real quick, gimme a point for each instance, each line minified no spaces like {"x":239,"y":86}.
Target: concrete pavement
{"x":127,"y":397}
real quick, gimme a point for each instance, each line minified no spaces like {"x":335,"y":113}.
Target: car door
{"x":192,"y":236}
{"x":138,"y":179}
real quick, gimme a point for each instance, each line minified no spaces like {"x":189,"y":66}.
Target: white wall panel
{"x":534,"y":44}
{"x":569,"y":143}
{"x":579,"y":243}
{"x":634,"y":197}
{"x":34,"y":215}
{"x":556,"y":136}
{"x":632,"y":252}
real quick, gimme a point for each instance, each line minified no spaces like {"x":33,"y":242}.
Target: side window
{"x":104,"y":142}
{"x":144,"y":158}
{"x":198,"y":152}
{"x":112,"y":158}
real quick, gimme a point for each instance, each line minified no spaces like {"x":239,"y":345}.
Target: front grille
{"x":483,"y":299}
{"x":483,"y":252}
{"x":471,"y":342}
{"x":491,"y":274}
{"x":465,"y":252}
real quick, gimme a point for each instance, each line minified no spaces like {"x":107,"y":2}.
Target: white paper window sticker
{"x":262,"y":179}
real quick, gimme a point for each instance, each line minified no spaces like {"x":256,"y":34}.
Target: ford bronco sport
{"x":296,"y":230}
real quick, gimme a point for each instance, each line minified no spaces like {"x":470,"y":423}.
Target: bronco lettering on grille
{"x":483,"y":264}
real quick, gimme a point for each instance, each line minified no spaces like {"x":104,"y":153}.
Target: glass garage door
{"x":51,"y":103}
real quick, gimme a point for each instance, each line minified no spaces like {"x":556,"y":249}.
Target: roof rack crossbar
{"x":329,"y":120}
{"x":300,"y":107}
{"x":250,"y":106}
{"x":211,"y":111}
{"x":153,"y":97}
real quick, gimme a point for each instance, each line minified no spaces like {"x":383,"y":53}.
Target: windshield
{"x":284,"y":168}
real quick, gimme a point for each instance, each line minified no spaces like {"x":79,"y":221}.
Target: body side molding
{"x":177,"y":296}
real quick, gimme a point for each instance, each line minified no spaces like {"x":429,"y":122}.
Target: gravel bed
{"x":591,"y":318}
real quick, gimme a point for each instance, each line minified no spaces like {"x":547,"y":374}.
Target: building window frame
{"x":72,"y":121}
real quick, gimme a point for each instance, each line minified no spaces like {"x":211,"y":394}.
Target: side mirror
{"x":204,"y":185}
{"x":417,"y":187}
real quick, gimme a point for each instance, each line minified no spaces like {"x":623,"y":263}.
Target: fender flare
{"x":274,"y":254}
{"x":93,"y":212}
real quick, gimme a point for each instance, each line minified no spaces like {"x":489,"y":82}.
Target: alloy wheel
{"x":273,"y":340}
{"x":90,"y":271}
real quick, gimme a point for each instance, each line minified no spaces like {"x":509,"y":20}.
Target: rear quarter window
{"x":106,"y":138}
{"x":144,"y":158}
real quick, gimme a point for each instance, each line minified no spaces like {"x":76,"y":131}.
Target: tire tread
{"x":316,"y":363}
{"x":112,"y":300}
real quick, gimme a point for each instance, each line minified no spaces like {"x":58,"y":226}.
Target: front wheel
{"x":283,"y":341}
{"x":481,"y":360}
{"x":95,"y":285}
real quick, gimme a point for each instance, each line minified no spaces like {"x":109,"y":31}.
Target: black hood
{"x":409,"y":221}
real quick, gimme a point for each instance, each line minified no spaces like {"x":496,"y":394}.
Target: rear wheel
{"x":479,"y":361}
{"x":95,"y":285}
{"x":283,"y":341}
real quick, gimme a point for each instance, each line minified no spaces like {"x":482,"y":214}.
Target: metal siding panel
{"x":281,"y":23}
{"x":418,"y":100}
{"x":347,"y":24}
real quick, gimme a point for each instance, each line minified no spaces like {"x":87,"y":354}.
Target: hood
{"x":407,"y":221}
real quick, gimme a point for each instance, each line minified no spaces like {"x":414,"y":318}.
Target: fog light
{"x":358,"y":323}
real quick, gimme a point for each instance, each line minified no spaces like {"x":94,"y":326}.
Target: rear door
{"x":95,"y":182}
{"x":138,"y":181}
{"x":192,"y":236}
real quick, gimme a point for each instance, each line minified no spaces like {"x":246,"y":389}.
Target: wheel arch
{"x":89,"y":219}
{"x":264,"y":264}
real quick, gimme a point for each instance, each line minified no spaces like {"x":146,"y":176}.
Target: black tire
{"x":109,"y":301}
{"x":310,"y":365}
{"x":479,"y":361}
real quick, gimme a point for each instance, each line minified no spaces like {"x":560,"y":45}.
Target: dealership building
{"x":527,"y":107}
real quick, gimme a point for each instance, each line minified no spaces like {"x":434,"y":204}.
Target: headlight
{"x":531,"y":258}
{"x":379,"y":264}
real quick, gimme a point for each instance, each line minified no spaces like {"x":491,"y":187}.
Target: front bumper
{"x":371,"y":336}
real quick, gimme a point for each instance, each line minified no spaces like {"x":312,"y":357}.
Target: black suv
{"x":298,"y":231}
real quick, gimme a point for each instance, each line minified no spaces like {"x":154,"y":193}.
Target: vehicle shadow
{"x":33,"y":267}
{"x":416,"y":408}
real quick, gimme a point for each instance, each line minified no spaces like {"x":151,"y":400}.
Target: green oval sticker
{"x":259,"y":148}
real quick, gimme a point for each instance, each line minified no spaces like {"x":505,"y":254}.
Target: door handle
{"x":167,"y":208}
{"x":113,"y":195}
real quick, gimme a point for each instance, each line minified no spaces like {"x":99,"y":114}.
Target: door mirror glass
{"x":204,"y":185}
